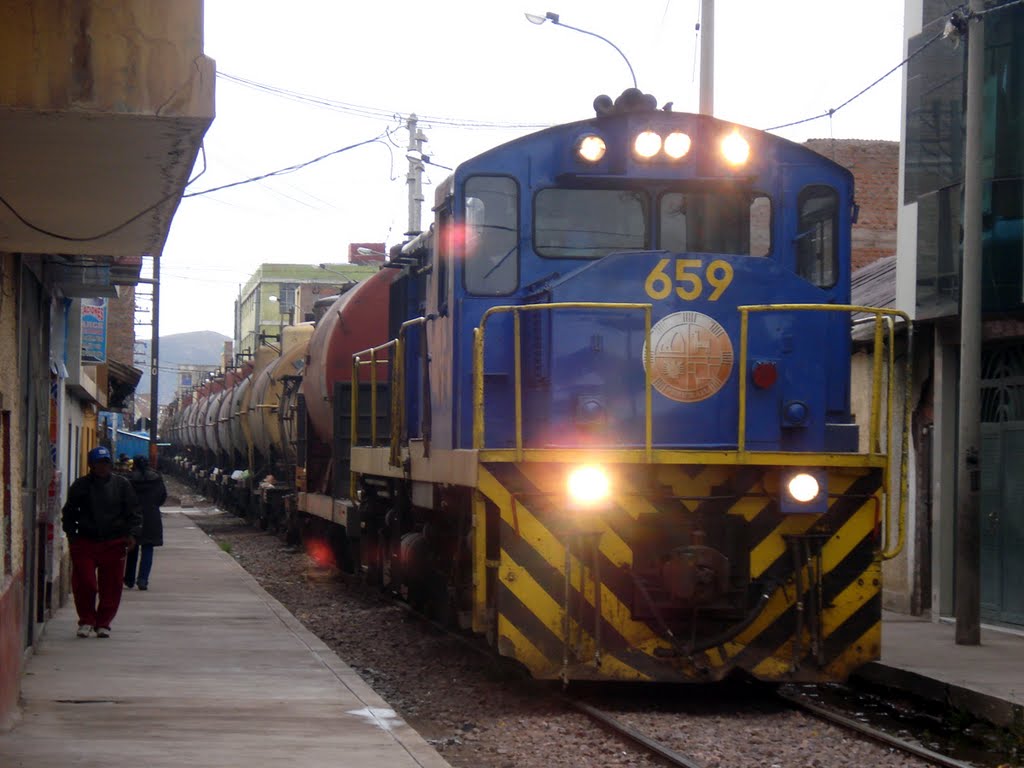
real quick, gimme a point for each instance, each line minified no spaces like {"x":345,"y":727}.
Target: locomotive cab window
{"x":817,"y":247}
{"x":735,"y":222}
{"x":492,"y":236}
{"x":589,"y":223}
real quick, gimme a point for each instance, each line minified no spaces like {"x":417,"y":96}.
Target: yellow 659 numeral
{"x":688,"y":284}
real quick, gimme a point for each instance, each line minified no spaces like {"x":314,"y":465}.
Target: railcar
{"x":604,"y":415}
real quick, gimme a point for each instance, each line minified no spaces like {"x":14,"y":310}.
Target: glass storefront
{"x":933,"y":170}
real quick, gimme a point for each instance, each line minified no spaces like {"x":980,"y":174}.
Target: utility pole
{"x":707,"y":57}
{"x":415,"y":176}
{"x":154,"y":362}
{"x":968,"y":475}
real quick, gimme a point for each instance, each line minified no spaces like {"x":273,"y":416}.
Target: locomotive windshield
{"x":729,"y":222}
{"x":591,"y":223}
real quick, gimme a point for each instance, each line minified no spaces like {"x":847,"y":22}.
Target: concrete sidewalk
{"x":205,"y":669}
{"x":922,"y":657}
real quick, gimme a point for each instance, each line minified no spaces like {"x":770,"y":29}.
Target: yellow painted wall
{"x":90,"y":436}
{"x":898,"y":572}
{"x":129,"y":56}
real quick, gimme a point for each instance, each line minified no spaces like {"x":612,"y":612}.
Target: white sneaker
{"x":102,"y":631}
{"x":83,"y":630}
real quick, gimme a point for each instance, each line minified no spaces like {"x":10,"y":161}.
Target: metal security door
{"x":1002,"y":484}
{"x":1011,"y":528}
{"x":991,"y":512}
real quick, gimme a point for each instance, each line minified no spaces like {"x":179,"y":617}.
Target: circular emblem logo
{"x":691,"y":356}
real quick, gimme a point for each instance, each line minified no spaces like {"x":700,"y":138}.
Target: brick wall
{"x":875,"y":168}
{"x":121,"y":327}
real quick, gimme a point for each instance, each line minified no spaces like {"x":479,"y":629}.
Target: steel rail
{"x":888,"y":739}
{"x":651,"y":745}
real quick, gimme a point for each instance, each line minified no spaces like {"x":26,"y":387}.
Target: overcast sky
{"x":470,"y":60}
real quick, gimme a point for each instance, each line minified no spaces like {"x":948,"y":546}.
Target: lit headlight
{"x":735,"y":149}
{"x":588,"y":486}
{"x":591,"y":148}
{"x":647,"y":144}
{"x":677,"y":145}
{"x":803,"y":487}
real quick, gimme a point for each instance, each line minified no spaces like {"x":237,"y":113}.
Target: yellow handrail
{"x":874,"y":441}
{"x":397,"y":390}
{"x":478,"y":364}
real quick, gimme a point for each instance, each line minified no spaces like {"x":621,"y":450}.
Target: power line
{"x":993,"y":9}
{"x":288,"y":169}
{"x":955,"y":24}
{"x":112,"y":230}
{"x":378,"y":113}
{"x":831,"y":112}
{"x":176,"y":193}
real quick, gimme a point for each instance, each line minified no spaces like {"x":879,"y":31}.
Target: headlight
{"x":588,"y":486}
{"x":677,"y":145}
{"x":647,"y":144}
{"x":591,"y":148}
{"x":803,"y":487}
{"x":735,"y":149}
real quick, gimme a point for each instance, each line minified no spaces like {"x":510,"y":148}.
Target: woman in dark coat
{"x":149,"y":487}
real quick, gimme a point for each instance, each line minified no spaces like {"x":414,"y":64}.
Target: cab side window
{"x":492,"y":236}
{"x":817,"y":247}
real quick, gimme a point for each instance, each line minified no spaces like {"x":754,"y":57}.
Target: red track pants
{"x":97,"y":566}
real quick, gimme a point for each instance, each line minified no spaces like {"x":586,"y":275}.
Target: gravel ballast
{"x":478,"y":711}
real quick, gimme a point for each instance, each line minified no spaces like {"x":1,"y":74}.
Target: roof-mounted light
{"x":647,"y":144}
{"x":677,"y":145}
{"x":735,"y":149}
{"x":591,"y":148}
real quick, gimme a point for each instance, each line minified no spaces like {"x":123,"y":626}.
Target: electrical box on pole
{"x":415,"y":176}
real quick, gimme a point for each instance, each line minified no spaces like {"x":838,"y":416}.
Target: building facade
{"x":103,"y":106}
{"x":267,"y":301}
{"x":928,"y":284}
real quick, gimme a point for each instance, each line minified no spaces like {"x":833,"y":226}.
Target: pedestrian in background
{"x":102,"y":520}
{"x":150,"y":489}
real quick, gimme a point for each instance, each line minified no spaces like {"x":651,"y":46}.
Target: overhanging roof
{"x":79,"y":174}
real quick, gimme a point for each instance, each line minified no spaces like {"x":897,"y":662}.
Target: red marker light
{"x":764,"y":375}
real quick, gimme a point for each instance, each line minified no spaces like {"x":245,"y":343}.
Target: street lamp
{"x":554,"y":19}
{"x":326,"y":268}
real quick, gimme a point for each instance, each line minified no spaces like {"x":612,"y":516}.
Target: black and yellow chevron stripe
{"x":565,"y":595}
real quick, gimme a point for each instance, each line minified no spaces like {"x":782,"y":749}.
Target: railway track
{"x":675,"y":758}
{"x":639,"y":726}
{"x":888,"y":739}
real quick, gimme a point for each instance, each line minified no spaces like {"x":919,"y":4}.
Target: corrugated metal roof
{"x":873,"y":285}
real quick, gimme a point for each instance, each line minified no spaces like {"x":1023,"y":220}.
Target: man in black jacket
{"x":103,"y":520}
{"x":151,"y":492}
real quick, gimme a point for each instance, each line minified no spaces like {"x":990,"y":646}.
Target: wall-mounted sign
{"x":94,"y":330}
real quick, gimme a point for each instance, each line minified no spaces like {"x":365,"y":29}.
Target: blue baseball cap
{"x":99,"y":454}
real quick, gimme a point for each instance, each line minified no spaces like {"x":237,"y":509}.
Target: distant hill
{"x":195,"y":348}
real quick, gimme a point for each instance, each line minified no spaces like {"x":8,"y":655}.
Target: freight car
{"x":601,"y":413}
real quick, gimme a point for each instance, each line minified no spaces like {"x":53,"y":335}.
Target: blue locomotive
{"x":620,"y":440}
{"x":609,"y":423}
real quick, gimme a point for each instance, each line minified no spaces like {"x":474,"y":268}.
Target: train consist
{"x":599,"y":413}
